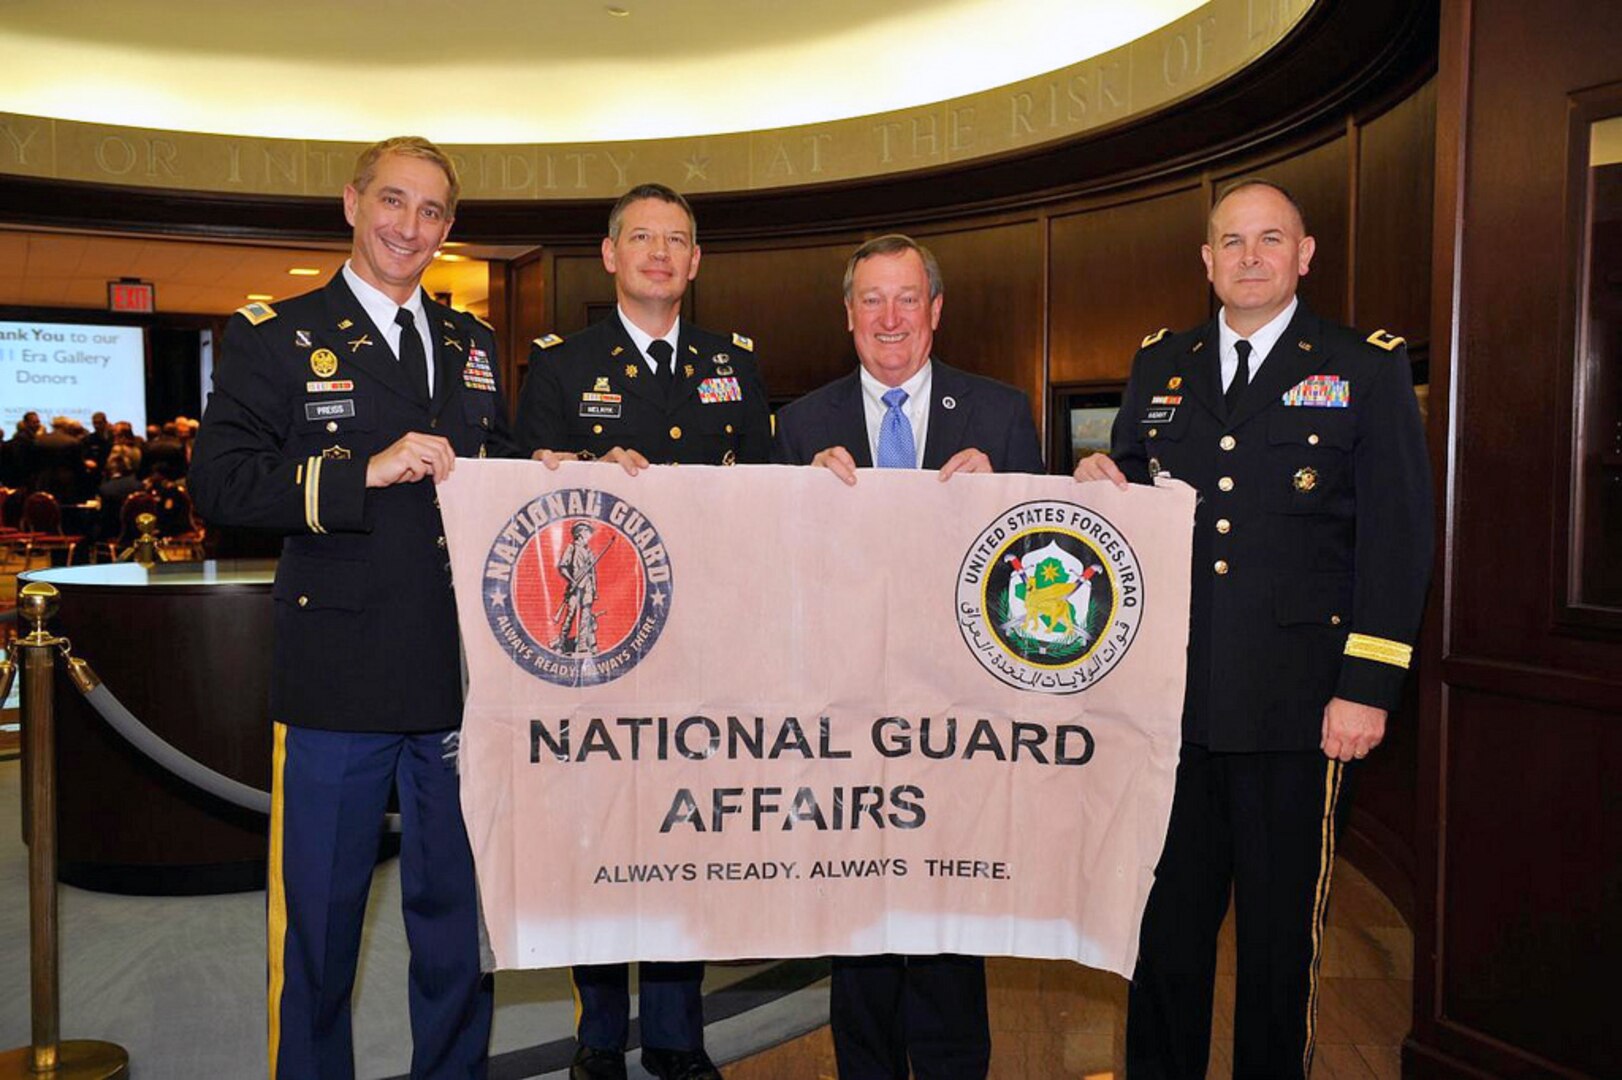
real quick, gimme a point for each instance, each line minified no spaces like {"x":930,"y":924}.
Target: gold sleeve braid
{"x":312,"y":494}
{"x":1380,"y":650}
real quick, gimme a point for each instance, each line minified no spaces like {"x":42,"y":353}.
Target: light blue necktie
{"x":896,"y":448}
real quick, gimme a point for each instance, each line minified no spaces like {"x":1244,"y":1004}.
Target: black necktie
{"x":1241,"y":377}
{"x":413,"y":361}
{"x":665,"y":356}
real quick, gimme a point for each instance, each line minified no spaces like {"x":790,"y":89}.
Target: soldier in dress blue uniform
{"x":1312,"y":551}
{"x":645,"y":386}
{"x":334,"y":414}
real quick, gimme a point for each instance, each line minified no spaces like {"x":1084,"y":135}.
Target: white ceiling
{"x":492,"y":71}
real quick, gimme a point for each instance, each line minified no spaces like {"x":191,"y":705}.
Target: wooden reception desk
{"x":186,"y":648}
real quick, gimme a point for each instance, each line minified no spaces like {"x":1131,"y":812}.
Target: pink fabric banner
{"x":717,"y":713}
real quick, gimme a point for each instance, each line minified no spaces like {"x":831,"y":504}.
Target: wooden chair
{"x":136,"y":503}
{"x":42,"y":521}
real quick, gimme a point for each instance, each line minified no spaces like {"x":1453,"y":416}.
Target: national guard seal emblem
{"x":1050,"y":597}
{"x":577,"y":587}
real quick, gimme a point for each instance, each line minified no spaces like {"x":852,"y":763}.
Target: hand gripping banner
{"x":717,"y":713}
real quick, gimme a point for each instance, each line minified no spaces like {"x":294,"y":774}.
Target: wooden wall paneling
{"x":1396,"y":185}
{"x":991,"y":322}
{"x":787,"y":298}
{"x":498,"y":313}
{"x":1521,"y":833}
{"x":528,"y":302}
{"x":1317,"y":177}
{"x":578,"y":282}
{"x":1119,"y":272}
{"x":1529,"y":904}
{"x":1514,"y":402}
{"x":1421,"y":1053}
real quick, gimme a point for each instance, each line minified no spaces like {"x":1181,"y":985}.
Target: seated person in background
{"x":166,"y":454}
{"x":119,"y":483}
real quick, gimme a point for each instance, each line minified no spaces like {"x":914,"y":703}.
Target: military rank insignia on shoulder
{"x":1380,"y":339}
{"x":548,"y":341}
{"x":257,"y":312}
{"x":1155,"y":338}
{"x":746,"y":344}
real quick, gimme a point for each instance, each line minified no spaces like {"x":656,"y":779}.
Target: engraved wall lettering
{"x":1019,"y":119}
{"x":814,"y":145}
{"x":620,"y":167}
{"x":284,"y":165}
{"x":337,"y":167}
{"x":884,"y":131}
{"x":581,"y":160}
{"x":115,"y":155}
{"x":160,"y":158}
{"x":960,"y":131}
{"x":924,"y":142}
{"x":517,"y":172}
{"x":20,"y":141}
{"x":780,"y":164}
{"x":1112,"y":85}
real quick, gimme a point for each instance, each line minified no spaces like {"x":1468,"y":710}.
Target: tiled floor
{"x":1053,"y":1019}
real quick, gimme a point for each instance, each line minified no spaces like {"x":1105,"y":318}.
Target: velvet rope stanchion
{"x":48,"y":1056}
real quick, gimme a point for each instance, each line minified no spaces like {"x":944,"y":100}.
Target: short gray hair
{"x":895,"y":244}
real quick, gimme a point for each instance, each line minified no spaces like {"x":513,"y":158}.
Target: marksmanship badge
{"x":1049,"y":597}
{"x":577,"y":587}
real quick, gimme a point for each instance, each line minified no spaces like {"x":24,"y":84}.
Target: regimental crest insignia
{"x":1049,"y":597}
{"x":324,"y":362}
{"x":577,"y":587}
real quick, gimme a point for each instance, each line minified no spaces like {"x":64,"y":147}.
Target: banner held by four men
{"x":723,"y":713}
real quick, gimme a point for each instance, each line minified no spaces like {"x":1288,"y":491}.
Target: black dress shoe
{"x":592,"y":1064}
{"x":679,"y":1064}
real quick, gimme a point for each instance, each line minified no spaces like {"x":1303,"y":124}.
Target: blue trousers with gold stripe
{"x":1263,"y":825}
{"x":329,"y":794}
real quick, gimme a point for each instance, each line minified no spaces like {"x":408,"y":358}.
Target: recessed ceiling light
{"x":445,"y":256}
{"x":452,"y":244}
{"x":304,"y":271}
{"x":260,"y":296}
{"x":617,"y":12}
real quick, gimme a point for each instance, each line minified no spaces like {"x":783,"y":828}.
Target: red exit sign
{"x":132,"y":296}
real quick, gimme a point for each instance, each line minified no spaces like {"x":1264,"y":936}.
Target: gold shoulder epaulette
{"x":1155,"y":337}
{"x":482,"y":323}
{"x":1382,"y":340}
{"x":548,"y":341}
{"x":746,"y":344}
{"x":257,"y":312}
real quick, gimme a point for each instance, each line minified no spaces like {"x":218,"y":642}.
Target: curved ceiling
{"x":503,"y":71}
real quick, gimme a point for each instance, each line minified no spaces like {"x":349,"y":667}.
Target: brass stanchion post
{"x":48,"y":1056}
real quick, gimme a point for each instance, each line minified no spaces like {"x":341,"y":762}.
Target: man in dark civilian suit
{"x":333,"y":417}
{"x":1312,"y":548}
{"x":903,"y":409}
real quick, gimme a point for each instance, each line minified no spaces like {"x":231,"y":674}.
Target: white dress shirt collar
{"x":915,"y":408}
{"x":642,"y":339}
{"x":1261,"y":342}
{"x":381,"y":309}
